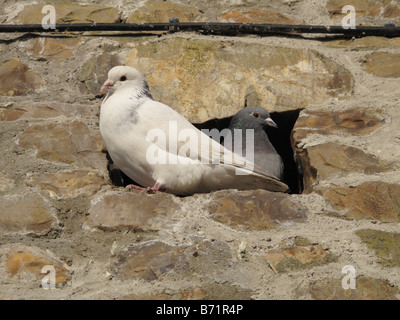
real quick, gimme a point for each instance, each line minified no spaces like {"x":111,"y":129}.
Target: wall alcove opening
{"x":280,"y":139}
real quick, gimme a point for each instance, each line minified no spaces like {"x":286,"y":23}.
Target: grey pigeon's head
{"x":252,"y":118}
{"x":124,"y":77}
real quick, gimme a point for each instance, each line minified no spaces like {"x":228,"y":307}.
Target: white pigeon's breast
{"x":125,"y":140}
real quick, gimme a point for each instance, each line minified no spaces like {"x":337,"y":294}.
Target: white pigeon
{"x":161,"y":150}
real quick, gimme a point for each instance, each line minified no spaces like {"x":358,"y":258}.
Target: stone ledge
{"x":22,"y":262}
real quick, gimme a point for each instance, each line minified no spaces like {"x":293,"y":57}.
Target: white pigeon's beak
{"x":106,"y":86}
{"x":271,"y":123}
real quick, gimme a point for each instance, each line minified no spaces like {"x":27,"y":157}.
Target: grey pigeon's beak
{"x":271,"y":123}
{"x":109,"y":83}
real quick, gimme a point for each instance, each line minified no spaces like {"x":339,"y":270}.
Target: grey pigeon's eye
{"x":123,"y":78}
{"x":256,"y":115}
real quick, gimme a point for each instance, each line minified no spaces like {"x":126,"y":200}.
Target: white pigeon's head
{"x":121,"y":77}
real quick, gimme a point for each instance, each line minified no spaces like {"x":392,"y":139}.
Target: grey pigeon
{"x":160,"y":150}
{"x":265,"y":155}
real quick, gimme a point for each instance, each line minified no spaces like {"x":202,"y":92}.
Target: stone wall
{"x":59,"y":206}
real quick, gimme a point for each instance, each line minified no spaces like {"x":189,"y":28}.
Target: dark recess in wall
{"x":280,"y":139}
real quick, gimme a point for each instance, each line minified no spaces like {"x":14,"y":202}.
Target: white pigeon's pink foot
{"x":134,"y":186}
{"x":154,"y":188}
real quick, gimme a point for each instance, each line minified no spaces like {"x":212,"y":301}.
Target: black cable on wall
{"x":388,"y":30}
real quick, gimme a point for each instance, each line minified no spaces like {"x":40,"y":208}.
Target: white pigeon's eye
{"x":123,"y":78}
{"x":256,"y":115}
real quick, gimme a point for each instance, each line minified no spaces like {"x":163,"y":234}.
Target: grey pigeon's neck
{"x":237,"y":123}
{"x":241,"y":124}
{"x":260,"y":136}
